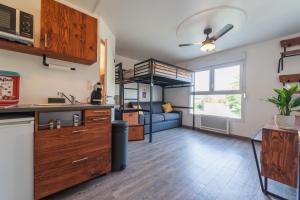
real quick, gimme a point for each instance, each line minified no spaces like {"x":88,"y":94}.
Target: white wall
{"x":129,"y":64}
{"x":39,"y":83}
{"x":261,"y":77}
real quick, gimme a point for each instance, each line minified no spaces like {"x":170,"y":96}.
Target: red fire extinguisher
{"x":9,"y":88}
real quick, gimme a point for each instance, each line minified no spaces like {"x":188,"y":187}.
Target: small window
{"x":219,"y":91}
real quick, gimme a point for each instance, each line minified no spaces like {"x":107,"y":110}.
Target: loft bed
{"x":153,"y":72}
{"x":163,"y":74}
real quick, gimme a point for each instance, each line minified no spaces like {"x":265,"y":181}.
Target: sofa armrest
{"x":141,"y":119}
{"x":180,"y":113}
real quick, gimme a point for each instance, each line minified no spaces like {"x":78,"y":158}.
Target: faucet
{"x":72,"y":100}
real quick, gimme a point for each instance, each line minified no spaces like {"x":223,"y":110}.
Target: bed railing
{"x":162,"y":69}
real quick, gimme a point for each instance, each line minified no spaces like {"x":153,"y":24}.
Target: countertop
{"x":48,"y":108}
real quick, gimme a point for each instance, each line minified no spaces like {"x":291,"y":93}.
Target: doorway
{"x":103,"y":67}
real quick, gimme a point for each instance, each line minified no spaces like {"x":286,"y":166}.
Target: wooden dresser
{"x":135,"y":130}
{"x":71,"y":155}
{"x":279,"y":156}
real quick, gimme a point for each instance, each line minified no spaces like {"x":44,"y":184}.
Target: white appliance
{"x":16,"y":158}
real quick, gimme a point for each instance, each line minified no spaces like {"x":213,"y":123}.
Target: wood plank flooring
{"x":181,"y":164}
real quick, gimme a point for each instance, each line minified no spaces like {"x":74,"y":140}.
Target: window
{"x":202,"y":81}
{"x":219,"y":91}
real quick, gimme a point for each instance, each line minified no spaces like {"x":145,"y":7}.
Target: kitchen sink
{"x":52,"y":104}
{"x":59,"y":104}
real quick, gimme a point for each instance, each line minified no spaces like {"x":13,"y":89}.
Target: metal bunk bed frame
{"x":152,"y":79}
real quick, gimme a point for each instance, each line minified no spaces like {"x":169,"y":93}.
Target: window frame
{"x":211,"y":91}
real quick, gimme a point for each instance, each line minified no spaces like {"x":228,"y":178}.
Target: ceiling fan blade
{"x":189,"y":44}
{"x":222,"y":32}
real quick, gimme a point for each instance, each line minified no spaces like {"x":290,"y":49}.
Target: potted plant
{"x":285,"y":104}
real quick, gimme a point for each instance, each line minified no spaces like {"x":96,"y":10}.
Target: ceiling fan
{"x":209,"y":43}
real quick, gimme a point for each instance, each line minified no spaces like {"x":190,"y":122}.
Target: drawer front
{"x":132,"y":118}
{"x":75,"y":169}
{"x":54,"y":147}
{"x":97,"y":113}
{"x":136,"y":133}
{"x":63,"y":138}
{"x":280,"y":156}
{"x":98,"y":120}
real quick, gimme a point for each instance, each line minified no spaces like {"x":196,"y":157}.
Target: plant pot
{"x":285,"y":122}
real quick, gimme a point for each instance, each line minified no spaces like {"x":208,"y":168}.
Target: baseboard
{"x":218,"y":134}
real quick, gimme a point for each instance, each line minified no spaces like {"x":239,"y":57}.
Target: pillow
{"x":167,"y":107}
{"x":140,"y":108}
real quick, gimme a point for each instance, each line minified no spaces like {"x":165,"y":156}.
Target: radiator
{"x":215,"y":124}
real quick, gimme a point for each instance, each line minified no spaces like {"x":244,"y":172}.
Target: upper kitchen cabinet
{"x":68,"y":34}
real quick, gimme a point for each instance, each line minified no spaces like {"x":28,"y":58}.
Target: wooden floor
{"x":181,"y":164}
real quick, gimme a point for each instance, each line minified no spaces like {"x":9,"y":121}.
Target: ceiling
{"x":147,"y":29}
{"x":89,"y":5}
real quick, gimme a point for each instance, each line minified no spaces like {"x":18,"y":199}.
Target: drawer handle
{"x":80,"y":131}
{"x":46,"y":40}
{"x":99,"y":119}
{"x":80,"y":160}
{"x":99,"y":111}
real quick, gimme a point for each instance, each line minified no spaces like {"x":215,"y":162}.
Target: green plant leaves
{"x":285,"y":101}
{"x":295,"y":102}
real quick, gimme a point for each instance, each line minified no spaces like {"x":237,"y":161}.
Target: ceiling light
{"x":208,"y":46}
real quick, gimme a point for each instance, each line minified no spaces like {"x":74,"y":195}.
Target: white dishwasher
{"x":16,"y":158}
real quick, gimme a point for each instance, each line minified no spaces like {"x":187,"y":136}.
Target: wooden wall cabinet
{"x":68,"y":34}
{"x":71,"y":155}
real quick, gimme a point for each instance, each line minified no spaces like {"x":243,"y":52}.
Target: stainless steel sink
{"x":51,"y":104}
{"x":59,"y":104}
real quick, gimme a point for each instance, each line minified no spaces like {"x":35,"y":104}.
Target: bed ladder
{"x":137,"y":89}
{"x":122,"y":88}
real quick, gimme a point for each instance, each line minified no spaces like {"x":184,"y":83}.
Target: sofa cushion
{"x":155,"y":118}
{"x":171,"y":116}
{"x":156,"y":109}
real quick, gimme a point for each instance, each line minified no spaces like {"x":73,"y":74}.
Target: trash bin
{"x":119,"y":145}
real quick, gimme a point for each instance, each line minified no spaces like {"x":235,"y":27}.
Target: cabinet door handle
{"x":80,"y":131}
{"x":46,"y":40}
{"x":80,"y":160}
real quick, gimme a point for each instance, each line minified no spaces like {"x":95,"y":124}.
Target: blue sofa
{"x":160,"y":120}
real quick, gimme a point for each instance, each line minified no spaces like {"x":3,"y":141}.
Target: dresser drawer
{"x":62,"y":138}
{"x":131,"y":117}
{"x":53,"y":147}
{"x":97,"y":113}
{"x":136,"y":133}
{"x":72,"y":170}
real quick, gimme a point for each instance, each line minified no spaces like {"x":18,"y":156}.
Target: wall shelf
{"x":21,"y":48}
{"x":291,"y":53}
{"x":285,"y":54}
{"x":290,"y":78}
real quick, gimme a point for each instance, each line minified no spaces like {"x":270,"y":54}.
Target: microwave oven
{"x":16,"y":25}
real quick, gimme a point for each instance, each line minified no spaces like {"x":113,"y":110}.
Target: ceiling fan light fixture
{"x":208,"y":46}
